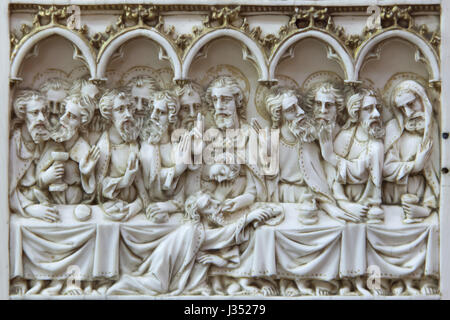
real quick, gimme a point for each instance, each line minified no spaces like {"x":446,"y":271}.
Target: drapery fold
{"x":101,"y":248}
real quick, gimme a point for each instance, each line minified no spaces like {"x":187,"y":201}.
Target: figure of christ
{"x":120,"y":191}
{"x":300,"y":178}
{"x":172,"y":267}
{"x":411,"y":165}
{"x":226,"y":101}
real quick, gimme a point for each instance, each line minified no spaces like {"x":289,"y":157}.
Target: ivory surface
{"x":263,"y":149}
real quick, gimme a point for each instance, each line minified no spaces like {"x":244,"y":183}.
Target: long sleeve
{"x":395,"y":170}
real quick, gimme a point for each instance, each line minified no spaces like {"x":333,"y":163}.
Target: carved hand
{"x":422,"y":156}
{"x":196,"y":133}
{"x":88,"y":163}
{"x":205,"y":258}
{"x":42,"y":212}
{"x":182,"y":154}
{"x":53,"y":173}
{"x":326,"y":147}
{"x":130,"y":173}
{"x":232,"y":205}
{"x":260,"y":215}
{"x":416,"y":211}
{"x":159,"y":208}
{"x":116,"y":212}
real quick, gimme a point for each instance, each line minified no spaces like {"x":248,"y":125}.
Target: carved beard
{"x":128,"y":130}
{"x":64,"y":133}
{"x":325,"y":125}
{"x":155,"y":131}
{"x":188,"y":122}
{"x":39,"y":131}
{"x":223,"y":121}
{"x":374,"y":127}
{"x":416,"y":123}
{"x":302,"y":129}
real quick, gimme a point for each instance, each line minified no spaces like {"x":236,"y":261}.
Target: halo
{"x":226,"y":70}
{"x":79,"y":73}
{"x":162,"y":76}
{"x":40,"y":78}
{"x":262,"y":91}
{"x":319,"y":77}
{"x":113,"y":79}
{"x":399,"y":77}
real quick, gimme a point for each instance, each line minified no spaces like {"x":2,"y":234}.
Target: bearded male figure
{"x":357,"y":155}
{"x":142,"y":89}
{"x":192,"y":103}
{"x":301,"y":178}
{"x":28,"y":143}
{"x":79,"y":177}
{"x":411,"y":165}
{"x":163,"y":161}
{"x":28,"y":174}
{"x":226,"y":98}
{"x":55,"y":90}
{"x":120,"y":190}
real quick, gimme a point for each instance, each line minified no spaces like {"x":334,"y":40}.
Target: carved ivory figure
{"x":411,"y":154}
{"x":162,"y":162}
{"x":79,"y":178}
{"x":191,"y":104}
{"x":358,"y":157}
{"x":325,"y":101}
{"x":142,"y":89}
{"x":118,"y":170}
{"x":91,"y":94}
{"x":27,"y":174}
{"x":55,"y":90}
{"x":226,"y":97}
{"x":301,"y":178}
{"x":180,"y":262}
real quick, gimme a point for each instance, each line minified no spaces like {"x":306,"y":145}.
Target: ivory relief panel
{"x":171,"y":150}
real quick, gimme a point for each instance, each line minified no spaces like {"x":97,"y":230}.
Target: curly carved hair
{"x":354,"y":104}
{"x":107,"y":100}
{"x":55,"y":84}
{"x":23,"y":97}
{"x":86,"y":108}
{"x":143,"y":82}
{"x":172,"y":103}
{"x":274,"y":103}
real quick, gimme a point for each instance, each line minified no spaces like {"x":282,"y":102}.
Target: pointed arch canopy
{"x":127,"y":35}
{"x":20,"y":53}
{"x":254,"y":48}
{"x":346,"y":58}
{"x":428,"y":52}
